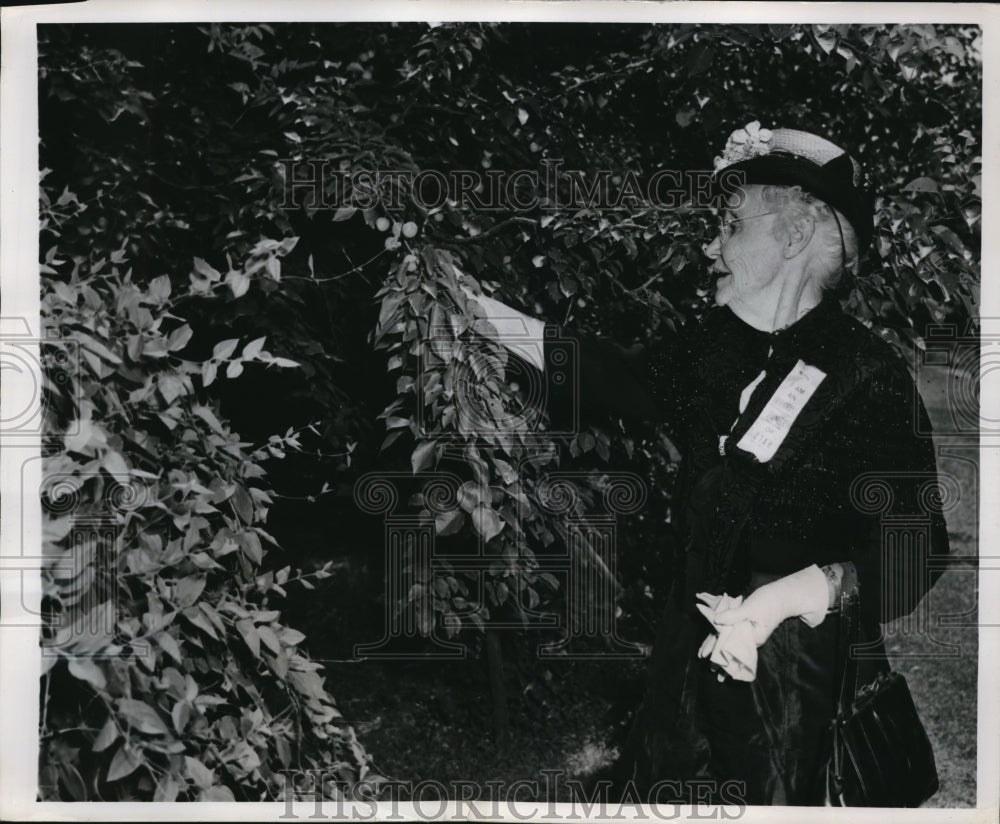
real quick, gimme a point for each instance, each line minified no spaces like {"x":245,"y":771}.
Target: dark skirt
{"x":765,"y":742}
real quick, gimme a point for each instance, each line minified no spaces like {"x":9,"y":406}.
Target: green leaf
{"x":220,"y":793}
{"x":159,"y":287}
{"x":252,"y":349}
{"x":507,"y":473}
{"x":470,"y":495}
{"x":390,"y":305}
{"x":213,"y":617}
{"x":238,"y":282}
{"x":922,"y":184}
{"x":251,"y":545}
{"x":223,"y":349}
{"x":142,"y":716}
{"x":170,"y":646}
{"x":86,"y":670}
{"x":98,"y":348}
{"x":134,"y":347}
{"x":278,"y":662}
{"x":208,"y":373}
{"x":208,"y":416}
{"x":106,"y":737}
{"x":292,"y":637}
{"x":188,"y":590}
{"x":167,"y":789}
{"x":114,"y":462}
{"x":124,"y":763}
{"x":272,"y":266}
{"x":70,"y":779}
{"x":201,"y":775}
{"x":425,"y":619}
{"x":250,"y":636}
{"x":270,"y":640}
{"x":64,"y":290}
{"x":424,"y":456}
{"x":448,"y":523}
{"x":827,"y":40}
{"x":486,"y":521}
{"x":206,"y":271}
{"x":171,"y":387}
{"x":179,"y":338}
{"x":197,"y":617}
{"x":180,"y":714}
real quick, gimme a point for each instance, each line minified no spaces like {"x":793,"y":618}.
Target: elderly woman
{"x":785,"y":408}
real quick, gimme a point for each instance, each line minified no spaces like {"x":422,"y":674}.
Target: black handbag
{"x":881,"y":755}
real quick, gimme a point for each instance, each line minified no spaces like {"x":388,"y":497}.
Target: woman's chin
{"x":723,"y":290}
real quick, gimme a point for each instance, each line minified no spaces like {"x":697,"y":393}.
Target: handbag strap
{"x":849,"y":620}
{"x":848,"y":691}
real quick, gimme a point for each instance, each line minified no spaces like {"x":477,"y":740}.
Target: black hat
{"x":788,"y":157}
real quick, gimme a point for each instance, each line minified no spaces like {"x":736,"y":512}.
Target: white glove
{"x":730,"y":649}
{"x":520,"y":334}
{"x":804,"y":594}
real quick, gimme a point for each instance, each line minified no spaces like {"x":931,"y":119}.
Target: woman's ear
{"x":798,"y":234}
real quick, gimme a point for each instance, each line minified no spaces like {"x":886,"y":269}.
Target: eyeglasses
{"x":725,"y":230}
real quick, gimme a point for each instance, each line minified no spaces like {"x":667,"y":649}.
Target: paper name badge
{"x":773,"y":424}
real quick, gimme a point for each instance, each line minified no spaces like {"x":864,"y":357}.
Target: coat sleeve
{"x":588,"y":378}
{"x":900,"y":495}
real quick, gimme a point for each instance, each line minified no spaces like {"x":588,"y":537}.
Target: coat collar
{"x":813,"y":335}
{"x":827,"y":343}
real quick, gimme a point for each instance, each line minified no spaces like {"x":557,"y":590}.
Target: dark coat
{"x":852,"y":480}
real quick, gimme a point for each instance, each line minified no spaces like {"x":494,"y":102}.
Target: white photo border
{"x":19,"y":658}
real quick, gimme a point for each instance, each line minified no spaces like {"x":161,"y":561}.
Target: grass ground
{"x":944,"y":688}
{"x":432,"y":720}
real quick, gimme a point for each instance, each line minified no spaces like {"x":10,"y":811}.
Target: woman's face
{"x":746,"y":254}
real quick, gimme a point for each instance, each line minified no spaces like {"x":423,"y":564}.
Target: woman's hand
{"x":730,"y":649}
{"x":803,"y":594}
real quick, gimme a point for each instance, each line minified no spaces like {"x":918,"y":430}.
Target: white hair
{"x":837,"y":238}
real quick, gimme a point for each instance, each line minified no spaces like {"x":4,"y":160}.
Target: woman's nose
{"x":713,"y":249}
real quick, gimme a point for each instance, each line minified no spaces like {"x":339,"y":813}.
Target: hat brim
{"x":832,"y":183}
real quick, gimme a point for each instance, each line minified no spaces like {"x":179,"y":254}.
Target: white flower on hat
{"x":743,"y":144}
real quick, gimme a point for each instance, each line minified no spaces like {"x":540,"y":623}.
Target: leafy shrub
{"x":168,"y":672}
